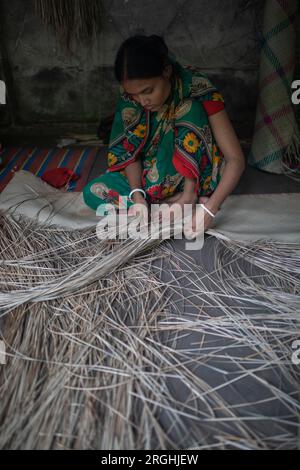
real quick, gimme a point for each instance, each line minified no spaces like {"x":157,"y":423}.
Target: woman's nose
{"x":143,"y":101}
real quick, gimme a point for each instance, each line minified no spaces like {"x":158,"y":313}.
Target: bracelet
{"x":207,"y":210}
{"x":136,"y":190}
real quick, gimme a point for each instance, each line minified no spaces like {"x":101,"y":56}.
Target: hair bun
{"x":160,"y":43}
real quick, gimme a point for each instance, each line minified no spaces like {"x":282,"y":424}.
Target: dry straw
{"x":71,"y":19}
{"x":131,"y":344}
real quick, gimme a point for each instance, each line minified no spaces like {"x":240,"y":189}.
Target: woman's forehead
{"x":135,"y":87}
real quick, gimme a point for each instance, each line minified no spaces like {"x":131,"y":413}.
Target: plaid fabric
{"x":275,"y":127}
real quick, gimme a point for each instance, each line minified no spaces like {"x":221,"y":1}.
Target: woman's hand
{"x":177,"y":202}
{"x":191,"y":229}
{"x":181,"y":199}
{"x":208,"y":221}
{"x":135,"y":210}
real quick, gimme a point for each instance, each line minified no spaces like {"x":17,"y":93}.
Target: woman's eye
{"x":148,"y":92}
{"x":145,"y":93}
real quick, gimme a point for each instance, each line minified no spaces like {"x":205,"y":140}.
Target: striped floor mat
{"x":39,"y":160}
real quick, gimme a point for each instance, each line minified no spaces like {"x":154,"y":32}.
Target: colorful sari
{"x":173,"y":143}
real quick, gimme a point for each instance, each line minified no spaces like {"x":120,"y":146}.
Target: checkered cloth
{"x":276,"y":141}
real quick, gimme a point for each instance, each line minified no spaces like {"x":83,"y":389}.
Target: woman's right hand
{"x":135,"y":209}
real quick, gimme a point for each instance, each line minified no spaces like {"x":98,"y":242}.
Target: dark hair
{"x":141,"y":57}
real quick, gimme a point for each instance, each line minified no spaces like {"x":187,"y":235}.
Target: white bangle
{"x":207,"y":210}
{"x":134,"y":191}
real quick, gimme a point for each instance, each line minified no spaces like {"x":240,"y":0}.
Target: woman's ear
{"x":167,"y":73}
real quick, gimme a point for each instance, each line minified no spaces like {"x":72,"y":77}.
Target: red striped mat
{"x":39,"y":160}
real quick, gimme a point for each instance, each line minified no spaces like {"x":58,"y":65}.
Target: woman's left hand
{"x":181,"y":199}
{"x":177,"y":202}
{"x":208,"y":221}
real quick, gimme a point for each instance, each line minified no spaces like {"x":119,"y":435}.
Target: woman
{"x":171,"y":139}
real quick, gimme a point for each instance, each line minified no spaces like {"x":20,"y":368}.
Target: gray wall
{"x":48,"y":86}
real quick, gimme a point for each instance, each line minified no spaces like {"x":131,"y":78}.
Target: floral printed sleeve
{"x":201,"y":88}
{"x":128,"y":135}
{"x":213,"y":103}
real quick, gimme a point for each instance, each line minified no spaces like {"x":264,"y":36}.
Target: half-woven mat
{"x":135,"y":344}
{"x":40,"y":160}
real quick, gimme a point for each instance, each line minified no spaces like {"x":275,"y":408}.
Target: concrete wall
{"x":52,"y":89}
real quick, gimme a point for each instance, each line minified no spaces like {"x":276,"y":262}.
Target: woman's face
{"x":151,"y":93}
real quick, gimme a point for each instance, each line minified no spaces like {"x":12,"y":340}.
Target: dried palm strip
{"x":154,"y":352}
{"x":71,"y":19}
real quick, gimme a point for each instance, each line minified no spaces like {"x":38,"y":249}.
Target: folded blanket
{"x":276,"y":140}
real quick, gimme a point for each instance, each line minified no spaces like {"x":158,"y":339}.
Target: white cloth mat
{"x":242,"y":217}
